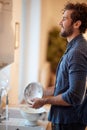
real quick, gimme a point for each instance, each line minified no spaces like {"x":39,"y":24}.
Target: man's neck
{"x":72,"y":36}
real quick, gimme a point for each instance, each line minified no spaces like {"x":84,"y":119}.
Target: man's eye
{"x":64,"y":19}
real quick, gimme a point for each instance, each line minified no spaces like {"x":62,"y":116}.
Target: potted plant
{"x":56,"y":48}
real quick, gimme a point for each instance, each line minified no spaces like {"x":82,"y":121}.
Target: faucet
{"x":0,"y":102}
{"x":2,"y":118}
{"x":1,"y":109}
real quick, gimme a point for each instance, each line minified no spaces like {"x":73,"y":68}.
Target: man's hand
{"x":37,"y":102}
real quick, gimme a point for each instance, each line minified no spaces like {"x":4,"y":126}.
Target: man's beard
{"x":67,"y":33}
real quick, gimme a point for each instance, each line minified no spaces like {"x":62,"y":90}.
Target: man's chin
{"x":62,"y":34}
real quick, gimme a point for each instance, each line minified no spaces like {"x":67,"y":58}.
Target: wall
{"x":30,"y":43}
{"x":14,"y":67}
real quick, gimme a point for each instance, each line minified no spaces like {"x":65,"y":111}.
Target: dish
{"x":32,"y":115}
{"x":29,"y":110}
{"x":33,"y":90}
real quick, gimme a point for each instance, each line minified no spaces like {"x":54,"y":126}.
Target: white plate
{"x":33,"y":90}
{"x":29,"y":110}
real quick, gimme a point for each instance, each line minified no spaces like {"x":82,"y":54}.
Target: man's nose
{"x":60,"y":23}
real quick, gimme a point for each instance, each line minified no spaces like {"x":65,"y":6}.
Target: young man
{"x":69,"y":91}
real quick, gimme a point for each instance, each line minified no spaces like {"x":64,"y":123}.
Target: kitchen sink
{"x":16,"y":122}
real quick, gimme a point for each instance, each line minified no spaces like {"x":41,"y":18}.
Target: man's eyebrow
{"x":65,"y":17}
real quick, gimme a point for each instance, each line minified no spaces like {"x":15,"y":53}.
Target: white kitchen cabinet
{"x":6,"y":33}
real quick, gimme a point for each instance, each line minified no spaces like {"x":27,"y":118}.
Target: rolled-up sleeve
{"x":77,"y":65}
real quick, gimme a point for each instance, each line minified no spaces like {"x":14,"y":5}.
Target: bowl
{"x":32,"y":115}
{"x":33,"y":90}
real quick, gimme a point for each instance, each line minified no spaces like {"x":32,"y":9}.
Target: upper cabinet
{"x":6,"y":33}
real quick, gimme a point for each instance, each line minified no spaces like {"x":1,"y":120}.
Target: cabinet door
{"x":6,"y":34}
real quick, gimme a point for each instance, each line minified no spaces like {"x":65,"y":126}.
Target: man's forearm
{"x":55,"y":100}
{"x":48,"y":91}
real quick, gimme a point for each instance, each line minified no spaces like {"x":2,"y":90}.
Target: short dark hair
{"x":79,"y":13}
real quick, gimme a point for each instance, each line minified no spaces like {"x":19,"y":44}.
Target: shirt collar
{"x":72,"y":42}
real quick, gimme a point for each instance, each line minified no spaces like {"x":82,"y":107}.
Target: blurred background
{"x":35,"y":46}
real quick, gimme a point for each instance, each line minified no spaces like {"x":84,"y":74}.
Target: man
{"x":69,"y":91}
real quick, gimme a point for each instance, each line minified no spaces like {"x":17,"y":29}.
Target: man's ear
{"x":77,"y":24}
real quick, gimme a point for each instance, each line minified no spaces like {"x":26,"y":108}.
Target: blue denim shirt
{"x":70,"y":82}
